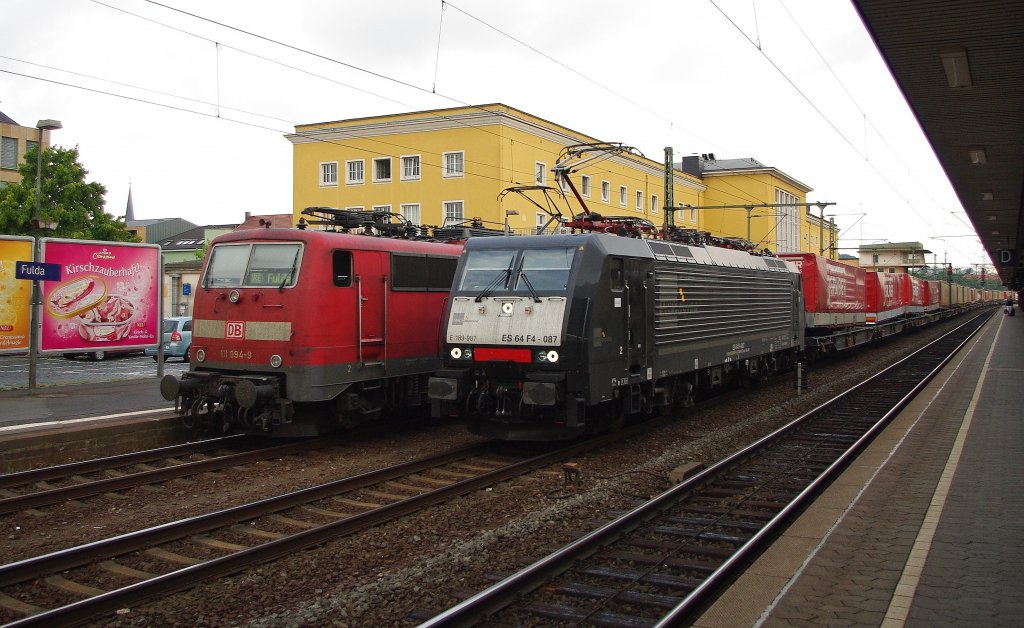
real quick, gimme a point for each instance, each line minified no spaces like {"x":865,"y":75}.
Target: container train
{"x":551,"y":337}
{"x":301,"y":331}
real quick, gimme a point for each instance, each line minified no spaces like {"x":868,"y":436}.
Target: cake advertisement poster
{"x":108,"y":296}
{"x":15,"y":294}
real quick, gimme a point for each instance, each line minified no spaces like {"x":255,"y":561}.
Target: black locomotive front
{"x":550,"y":337}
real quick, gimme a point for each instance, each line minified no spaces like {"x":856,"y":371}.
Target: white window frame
{"x":349,"y":180}
{"x":450,"y":205}
{"x":383,"y":208}
{"x":623,"y":195}
{"x":606,"y":191}
{"x":540,"y":172}
{"x":355,"y":208}
{"x":408,"y":160}
{"x":639,"y":200}
{"x":654,"y":204}
{"x":446,"y":168}
{"x":328,"y":174}
{"x":381,"y":160}
{"x":563,"y":185}
{"x":585,"y":186}
{"x":693,"y":215}
{"x":411,"y":212}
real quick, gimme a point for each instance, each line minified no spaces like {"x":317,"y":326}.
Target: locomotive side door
{"x":371,"y":277}
{"x":635,"y":317}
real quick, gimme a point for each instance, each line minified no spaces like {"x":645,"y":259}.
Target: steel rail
{"x":111,"y":462}
{"x":190,"y":576}
{"x":512,"y":589}
{"x":96,"y":487}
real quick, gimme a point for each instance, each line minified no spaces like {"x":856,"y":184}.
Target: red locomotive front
{"x":298,"y":331}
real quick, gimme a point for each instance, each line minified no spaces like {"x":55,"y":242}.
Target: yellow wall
{"x":23,"y":134}
{"x":758,"y":186}
{"x":501,"y":147}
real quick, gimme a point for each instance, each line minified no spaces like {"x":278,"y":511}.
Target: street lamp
{"x":509,"y":212}
{"x":42,"y":125}
{"x":38,"y":223}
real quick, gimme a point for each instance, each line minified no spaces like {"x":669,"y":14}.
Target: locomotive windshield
{"x":517,"y":271}
{"x":251,"y":265}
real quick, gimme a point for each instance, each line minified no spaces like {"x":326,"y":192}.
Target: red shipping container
{"x":887,"y":296}
{"x":834,"y":293}
{"x":934,"y":295}
{"x":918,"y":291}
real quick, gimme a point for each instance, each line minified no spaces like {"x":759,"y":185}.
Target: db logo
{"x":234,"y":329}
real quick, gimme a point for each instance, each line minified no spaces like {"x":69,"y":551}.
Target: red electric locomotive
{"x":299,"y":331}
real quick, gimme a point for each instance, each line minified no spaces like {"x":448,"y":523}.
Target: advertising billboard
{"x":15,"y":294}
{"x":108,"y":296}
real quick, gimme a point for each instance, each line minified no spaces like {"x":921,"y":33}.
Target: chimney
{"x":248,"y":215}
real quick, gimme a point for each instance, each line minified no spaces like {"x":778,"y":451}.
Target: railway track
{"x":60,"y":484}
{"x":663,"y":562}
{"x":70,"y":586}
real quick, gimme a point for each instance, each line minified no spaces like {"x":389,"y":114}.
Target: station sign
{"x":40,"y":271}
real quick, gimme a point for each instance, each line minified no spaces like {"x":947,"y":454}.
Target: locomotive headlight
{"x":234,"y":296}
{"x":456,"y":353}
{"x":200,"y":355}
{"x":275,"y":361}
{"x":547,"y":356}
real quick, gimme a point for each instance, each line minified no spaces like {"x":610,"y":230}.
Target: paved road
{"x":60,"y":371}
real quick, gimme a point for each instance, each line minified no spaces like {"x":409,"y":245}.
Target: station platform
{"x":926,"y":527}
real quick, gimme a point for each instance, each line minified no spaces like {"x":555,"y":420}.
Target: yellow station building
{"x":446,"y":166}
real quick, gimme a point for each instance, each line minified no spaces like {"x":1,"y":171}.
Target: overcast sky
{"x":189,"y":101}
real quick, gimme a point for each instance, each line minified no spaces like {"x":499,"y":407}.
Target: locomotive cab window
{"x":250,"y":265}
{"x":546,"y":270}
{"x":486,"y":268}
{"x":341,"y":265}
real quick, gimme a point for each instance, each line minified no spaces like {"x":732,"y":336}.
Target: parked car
{"x":100,"y":354}
{"x":177,"y":338}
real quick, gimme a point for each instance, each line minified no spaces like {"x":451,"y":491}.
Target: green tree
{"x":76,"y":206}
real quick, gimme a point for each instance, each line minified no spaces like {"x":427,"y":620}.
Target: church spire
{"x":129,"y":212}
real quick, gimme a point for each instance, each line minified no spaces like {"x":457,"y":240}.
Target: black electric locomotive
{"x":550,"y":337}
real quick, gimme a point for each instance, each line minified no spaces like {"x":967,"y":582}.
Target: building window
{"x":787,"y":222}
{"x":381,"y":169}
{"x":411,"y":212}
{"x":410,"y":168}
{"x":606,"y":191}
{"x":874,"y":259}
{"x":541,"y":170}
{"x":693,"y":215}
{"x":9,"y":153}
{"x":542,"y":219}
{"x":354,"y":174}
{"x":328,"y":173}
{"x":639,"y":200}
{"x":563,"y":184}
{"x":382,"y":208}
{"x":454,"y":164}
{"x":654,"y":204}
{"x":622,"y":195}
{"x":30,"y":145}
{"x":453,"y":212}
{"x":585,"y":186}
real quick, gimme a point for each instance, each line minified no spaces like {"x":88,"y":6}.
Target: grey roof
{"x":158,"y":229}
{"x":744,"y":163}
{"x":5,"y":119}
{"x":192,"y":239}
